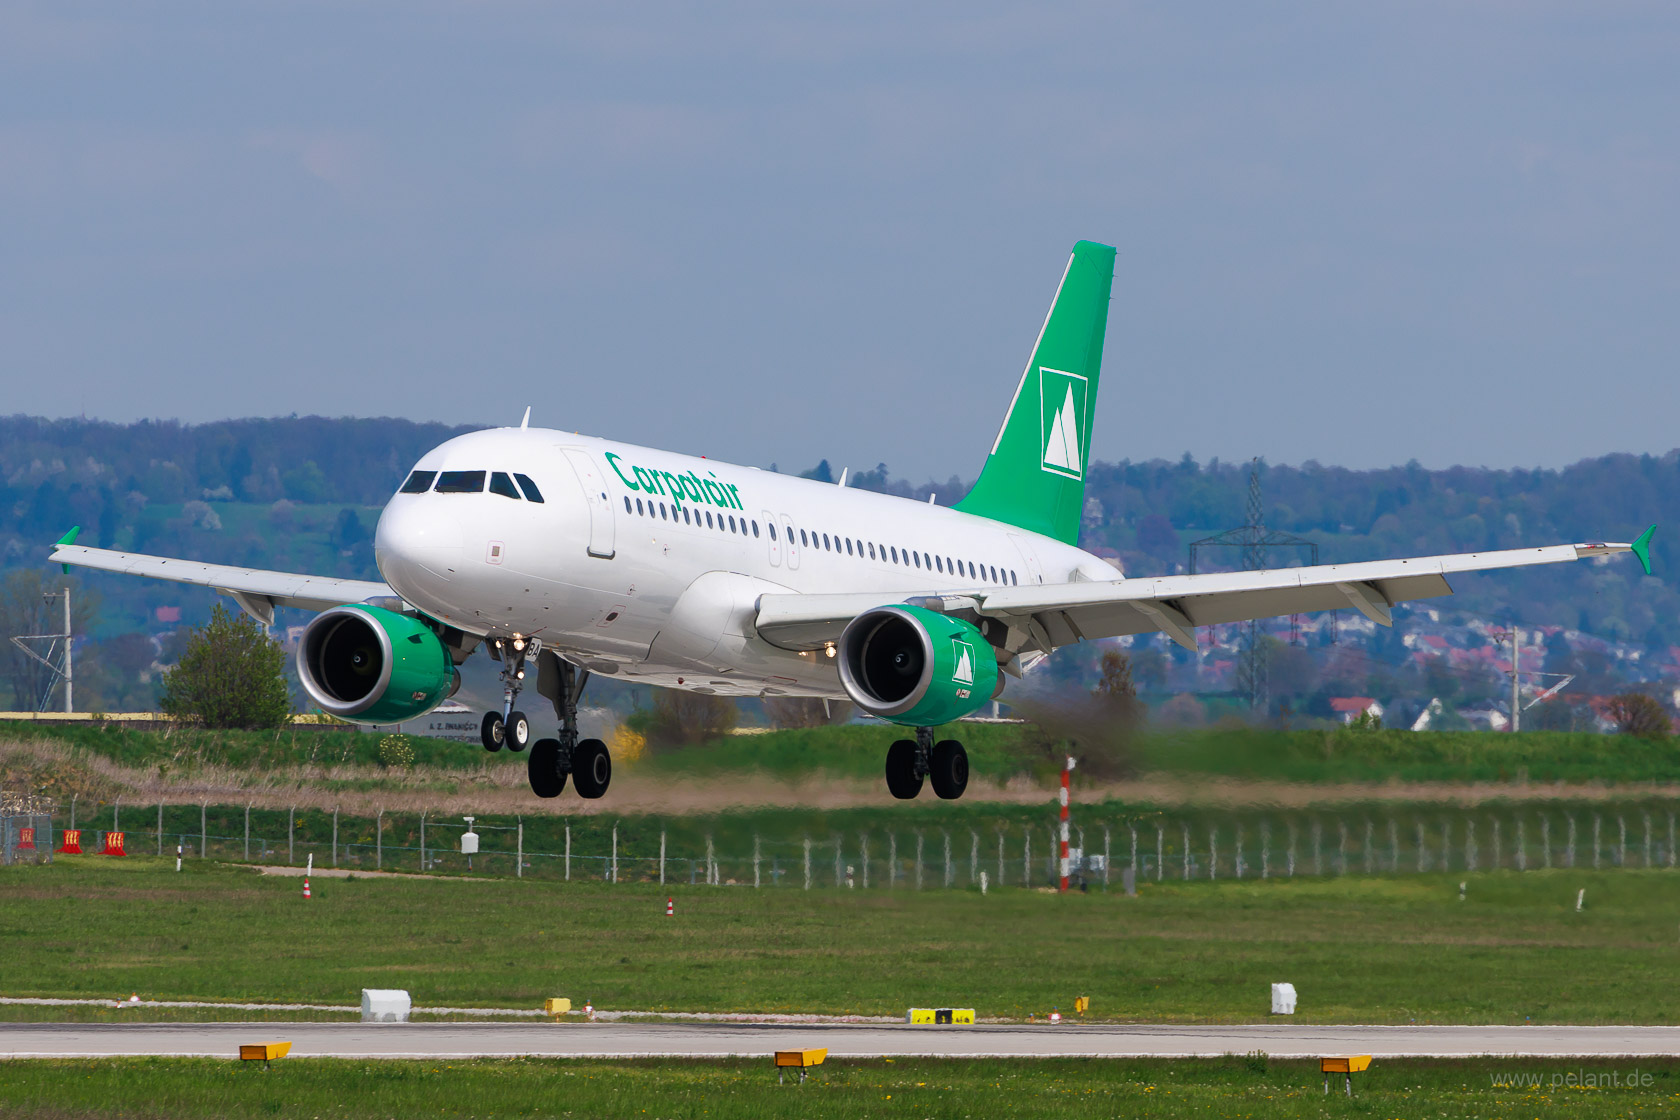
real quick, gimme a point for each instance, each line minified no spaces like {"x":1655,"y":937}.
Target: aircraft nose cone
{"x":414,"y":548}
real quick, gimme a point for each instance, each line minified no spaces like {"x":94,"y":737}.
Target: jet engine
{"x":373,"y":665}
{"x":916,"y":667}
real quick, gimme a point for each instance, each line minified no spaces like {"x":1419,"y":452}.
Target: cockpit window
{"x":418,"y":483}
{"x":501,"y":484}
{"x":532,"y":494}
{"x":460,"y":482}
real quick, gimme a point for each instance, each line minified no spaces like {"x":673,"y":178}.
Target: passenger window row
{"x":698,"y":518}
{"x":472,"y":482}
{"x":880,"y":553}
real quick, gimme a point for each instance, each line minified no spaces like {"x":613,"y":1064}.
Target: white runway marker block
{"x":385,"y":1005}
{"x":1283,"y":999}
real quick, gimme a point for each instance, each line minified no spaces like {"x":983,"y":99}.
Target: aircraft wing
{"x":255,"y":590}
{"x":1045,"y":617}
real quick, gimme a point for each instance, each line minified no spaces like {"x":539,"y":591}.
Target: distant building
{"x":1351,"y":708}
{"x":168,"y":614}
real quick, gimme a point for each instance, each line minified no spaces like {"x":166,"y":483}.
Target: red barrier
{"x":26,"y":839}
{"x":113,"y":845}
{"x":72,"y":845}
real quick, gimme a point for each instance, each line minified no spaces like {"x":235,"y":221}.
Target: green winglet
{"x":68,"y":538}
{"x":1642,"y":548}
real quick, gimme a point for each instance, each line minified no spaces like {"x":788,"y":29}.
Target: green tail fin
{"x":1035,"y":475}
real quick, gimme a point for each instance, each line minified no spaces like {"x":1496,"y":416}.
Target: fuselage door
{"x":774,"y":542}
{"x":595,"y":496}
{"x":1029,"y":555}
{"x":791,"y":541}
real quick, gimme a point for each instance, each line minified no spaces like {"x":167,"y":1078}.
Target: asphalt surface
{"x":718,"y":1040}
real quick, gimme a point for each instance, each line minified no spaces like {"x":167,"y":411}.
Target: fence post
{"x":1598,"y":824}
{"x":203,"y":828}
{"x":1135,"y":875}
{"x":662,"y":859}
{"x":1265,"y":848}
{"x":1318,"y":846}
{"x":1289,"y":865}
{"x":1239,"y":856}
{"x":711,"y":863}
{"x":1470,"y":851}
{"x":1000,"y":856}
{"x":160,"y":827}
{"x":1341,"y":845}
{"x":863,"y":857}
{"x":973,"y":857}
{"x":335,"y":837}
{"x":1621,"y":840}
{"x":1393,"y":847}
{"x":1160,"y":851}
{"x":116,"y":814}
{"x":519,"y":852}
{"x":1647,"y":839}
{"x":950,"y":876}
{"x":918,"y":859}
{"x":1026,"y":855}
{"x":1522,"y":844}
{"x":291,"y":824}
{"x":1496,"y":843}
{"x":1213,"y":852}
{"x":615,"y":852}
{"x":839,"y":863}
{"x":1184,"y":829}
{"x":1370,"y":846}
{"x":422,"y":840}
{"x":73,"y":810}
{"x":807,"y":863}
{"x":1671,"y":839}
{"x":247,"y":832}
{"x":378,"y":839}
{"x":1108,"y":843}
{"x":892,"y":860}
{"x":568,"y":851}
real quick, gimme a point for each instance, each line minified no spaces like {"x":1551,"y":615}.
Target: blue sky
{"x":1357,"y":233}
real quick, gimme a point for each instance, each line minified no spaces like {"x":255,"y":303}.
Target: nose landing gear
{"x":510,"y":728}
{"x":910,"y":763}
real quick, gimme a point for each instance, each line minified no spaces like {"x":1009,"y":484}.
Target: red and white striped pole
{"x":1066,"y":771}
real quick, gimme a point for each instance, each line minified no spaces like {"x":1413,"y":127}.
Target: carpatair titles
{"x":678,"y":488}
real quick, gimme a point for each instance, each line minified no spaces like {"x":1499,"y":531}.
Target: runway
{"x":724,"y":1040}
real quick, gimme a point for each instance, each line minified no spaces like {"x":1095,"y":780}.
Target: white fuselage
{"x":648,"y":564}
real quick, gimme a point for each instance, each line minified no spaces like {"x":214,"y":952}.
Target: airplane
{"x":580,"y":556}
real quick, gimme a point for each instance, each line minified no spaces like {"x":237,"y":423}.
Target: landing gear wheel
{"x":490,"y":730}
{"x":902,"y":780}
{"x":948,"y":769}
{"x":517,"y":732}
{"x":543,"y":768}
{"x":591,"y":768}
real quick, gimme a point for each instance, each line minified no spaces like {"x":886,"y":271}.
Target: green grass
{"x":1251,"y":1087}
{"x":1377,"y":949}
{"x":997,"y":752}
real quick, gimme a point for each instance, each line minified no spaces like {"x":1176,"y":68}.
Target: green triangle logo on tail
{"x":1035,"y":475}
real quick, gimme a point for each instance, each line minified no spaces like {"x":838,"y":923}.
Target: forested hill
{"x":274,"y":493}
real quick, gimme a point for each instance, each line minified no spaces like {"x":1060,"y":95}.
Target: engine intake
{"x":916,"y":667}
{"x":373,"y":665}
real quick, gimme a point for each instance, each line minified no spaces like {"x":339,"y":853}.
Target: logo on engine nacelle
{"x":963,"y":657}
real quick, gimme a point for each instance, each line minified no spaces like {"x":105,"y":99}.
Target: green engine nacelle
{"x":373,"y":665}
{"x":917,"y":667}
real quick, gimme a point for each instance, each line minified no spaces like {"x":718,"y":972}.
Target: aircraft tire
{"x":591,"y":768}
{"x":948,"y":769}
{"x":543,"y":768}
{"x":902,"y":780}
{"x":491,"y":731}
{"x":518,"y":731}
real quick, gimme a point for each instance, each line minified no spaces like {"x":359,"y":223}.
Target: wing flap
{"x":256,"y":590}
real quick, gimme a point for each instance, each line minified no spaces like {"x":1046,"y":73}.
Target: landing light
{"x":829,"y":649}
{"x":518,"y":645}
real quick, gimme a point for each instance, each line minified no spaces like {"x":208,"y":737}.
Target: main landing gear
{"x":912,"y":761}
{"x":552,"y":760}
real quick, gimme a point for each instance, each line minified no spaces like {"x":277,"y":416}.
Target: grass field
{"x":1250,"y":1087}
{"x":997,"y":753}
{"x":1370,"y":949}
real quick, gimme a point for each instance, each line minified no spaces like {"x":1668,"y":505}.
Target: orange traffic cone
{"x":306,"y":887}
{"x":670,"y":907}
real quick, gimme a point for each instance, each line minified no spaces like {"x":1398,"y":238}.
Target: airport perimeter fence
{"x":1152,"y":848}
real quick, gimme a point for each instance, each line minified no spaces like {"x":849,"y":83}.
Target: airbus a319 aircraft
{"x":572,"y":556}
